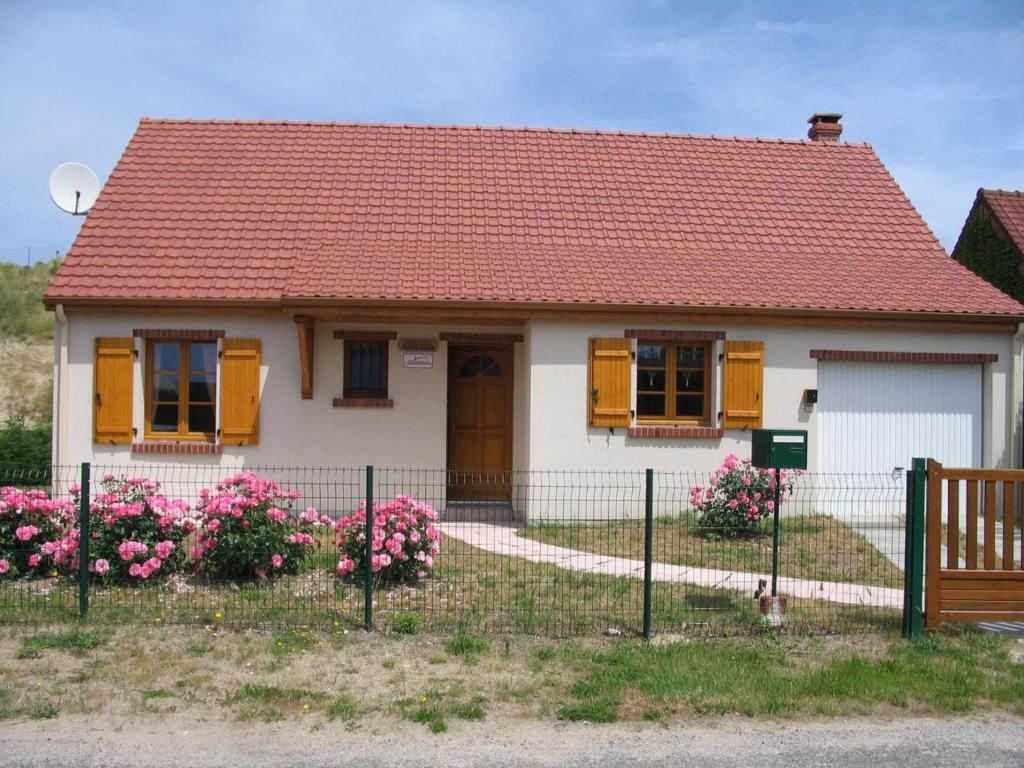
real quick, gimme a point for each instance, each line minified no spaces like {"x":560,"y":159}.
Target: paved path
{"x":503,"y":540}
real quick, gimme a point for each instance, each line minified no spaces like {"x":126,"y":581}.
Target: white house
{"x":461,"y":298}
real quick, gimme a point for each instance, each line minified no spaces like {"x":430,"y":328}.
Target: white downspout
{"x":60,"y":385}
{"x":1016,"y":397}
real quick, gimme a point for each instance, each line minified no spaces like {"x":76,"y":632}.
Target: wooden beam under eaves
{"x":304,"y":327}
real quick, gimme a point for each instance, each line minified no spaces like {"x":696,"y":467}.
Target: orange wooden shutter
{"x":744,"y":383}
{"x":240,"y":392}
{"x":609,"y":378}
{"x":112,"y":397}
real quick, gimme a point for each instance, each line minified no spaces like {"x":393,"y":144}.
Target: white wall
{"x":550,"y":399}
{"x":293,"y":431}
{"x":558,"y":424}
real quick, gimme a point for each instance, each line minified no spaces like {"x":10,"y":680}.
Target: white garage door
{"x":874,"y":417}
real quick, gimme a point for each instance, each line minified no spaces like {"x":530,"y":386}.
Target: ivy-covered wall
{"x":986,"y":252}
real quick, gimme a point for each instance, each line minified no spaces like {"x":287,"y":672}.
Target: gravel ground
{"x":173,"y":741}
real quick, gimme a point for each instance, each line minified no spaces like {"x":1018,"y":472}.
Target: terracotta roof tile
{"x":1008,"y":207}
{"x":215,"y":210}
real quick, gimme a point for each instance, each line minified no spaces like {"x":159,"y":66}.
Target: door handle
{"x":99,"y":400}
{"x":593,"y":395}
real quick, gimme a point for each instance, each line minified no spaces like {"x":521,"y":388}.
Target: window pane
{"x":201,"y":387}
{"x":692,"y":405}
{"x":366,"y":362}
{"x":202,"y":356}
{"x":478,"y":364}
{"x":650,"y":381}
{"x":166,"y":356}
{"x":165,"y":417}
{"x":689,"y":381}
{"x":690,"y":357}
{"x":652,"y":355}
{"x":200,"y":418}
{"x":650,"y":405}
{"x":165,"y":386}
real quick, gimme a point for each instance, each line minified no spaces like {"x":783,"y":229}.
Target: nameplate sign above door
{"x":418,"y":360}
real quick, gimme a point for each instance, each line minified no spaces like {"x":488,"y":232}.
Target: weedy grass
{"x":75,"y":641}
{"x":938,"y":674}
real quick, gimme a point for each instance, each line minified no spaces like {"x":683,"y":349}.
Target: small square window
{"x":366,"y":369}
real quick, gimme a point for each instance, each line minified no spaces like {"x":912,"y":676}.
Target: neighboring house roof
{"x":255,"y":211}
{"x":1008,"y":210}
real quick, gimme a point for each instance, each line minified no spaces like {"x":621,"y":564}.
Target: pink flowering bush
{"x":405,"y":541}
{"x":135,"y":532}
{"x":31,"y":532}
{"x":248,"y":530}
{"x":738,"y":496}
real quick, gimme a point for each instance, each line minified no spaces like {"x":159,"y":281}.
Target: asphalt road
{"x":921,"y":743}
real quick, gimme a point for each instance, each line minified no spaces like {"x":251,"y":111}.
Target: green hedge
{"x":25,"y":447}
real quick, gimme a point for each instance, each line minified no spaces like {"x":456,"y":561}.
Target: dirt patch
{"x":26,"y":379}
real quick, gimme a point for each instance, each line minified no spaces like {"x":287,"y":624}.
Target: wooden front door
{"x":480,"y":423}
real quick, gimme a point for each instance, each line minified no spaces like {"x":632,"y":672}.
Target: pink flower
{"x":4,"y":567}
{"x":277,"y":561}
{"x":277,"y":515}
{"x":747,"y":479}
{"x":34,"y":560}
{"x":135,"y":570}
{"x":164,"y":549}
{"x":770,"y":505}
{"x":25,"y":532}
{"x":102,"y":566}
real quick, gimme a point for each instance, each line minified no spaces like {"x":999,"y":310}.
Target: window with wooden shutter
{"x":609,"y":380}
{"x":240,"y":392}
{"x":744,"y":384}
{"x":112,"y":395}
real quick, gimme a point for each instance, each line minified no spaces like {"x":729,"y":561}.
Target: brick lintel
{"x":179,"y":334}
{"x":654,"y":334}
{"x":863,"y":356}
{"x":482,"y":338}
{"x":366,"y":335}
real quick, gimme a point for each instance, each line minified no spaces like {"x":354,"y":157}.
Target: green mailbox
{"x":779,"y":448}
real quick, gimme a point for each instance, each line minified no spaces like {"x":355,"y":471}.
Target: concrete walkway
{"x":504,"y":540}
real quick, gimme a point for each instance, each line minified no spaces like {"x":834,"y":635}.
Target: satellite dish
{"x":74,"y":188}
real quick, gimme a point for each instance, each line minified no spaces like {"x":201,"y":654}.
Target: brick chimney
{"x":824,"y":126}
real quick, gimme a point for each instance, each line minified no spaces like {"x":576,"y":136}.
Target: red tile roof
{"x":1008,"y":208}
{"x":251,"y":211}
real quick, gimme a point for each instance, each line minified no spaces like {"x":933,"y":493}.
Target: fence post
{"x":648,"y":548}
{"x":83,"y":544}
{"x":913,"y":566}
{"x":775,"y":537}
{"x":368,"y":554}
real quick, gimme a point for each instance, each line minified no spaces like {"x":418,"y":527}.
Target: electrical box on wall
{"x":810,"y":399}
{"x":779,"y":448}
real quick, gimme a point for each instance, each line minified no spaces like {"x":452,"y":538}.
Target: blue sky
{"x":936,"y":87}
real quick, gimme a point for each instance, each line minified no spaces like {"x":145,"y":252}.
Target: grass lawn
{"x":812,"y":547}
{"x":470,"y":590}
{"x":314,"y":678}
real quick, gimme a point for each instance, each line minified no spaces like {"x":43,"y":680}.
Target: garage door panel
{"x":873,"y":417}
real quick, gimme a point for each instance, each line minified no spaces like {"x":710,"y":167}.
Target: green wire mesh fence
{"x":555,"y":552}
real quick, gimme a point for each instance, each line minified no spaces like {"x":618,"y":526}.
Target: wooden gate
{"x":980,"y":578}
